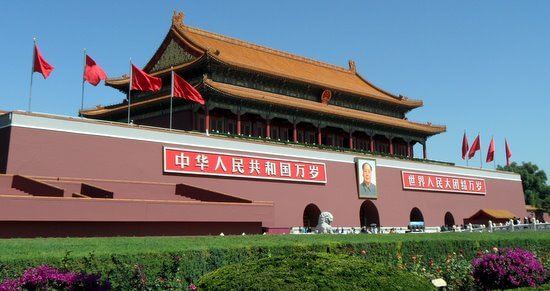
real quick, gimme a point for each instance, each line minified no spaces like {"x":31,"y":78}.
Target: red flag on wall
{"x":40,"y":65}
{"x":93,"y":73}
{"x":476,"y":146}
{"x":508,"y":152}
{"x":141,"y":81}
{"x":184,"y":90}
{"x":464,"y":146}
{"x":491,"y":151}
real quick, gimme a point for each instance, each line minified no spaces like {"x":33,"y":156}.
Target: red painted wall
{"x":50,"y":153}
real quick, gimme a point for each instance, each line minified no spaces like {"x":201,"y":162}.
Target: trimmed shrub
{"x":312,"y":271}
{"x":508,"y":268}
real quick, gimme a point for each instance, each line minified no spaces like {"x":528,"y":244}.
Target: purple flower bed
{"x":508,"y":268}
{"x":45,"y":278}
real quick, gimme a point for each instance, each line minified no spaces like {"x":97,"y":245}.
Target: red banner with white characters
{"x":224,"y":164}
{"x":443,"y":183}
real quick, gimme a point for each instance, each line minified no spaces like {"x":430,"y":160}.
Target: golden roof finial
{"x":177,"y":18}
{"x":352,"y":66}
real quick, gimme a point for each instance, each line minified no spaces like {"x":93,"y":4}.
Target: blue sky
{"x":480,"y":66}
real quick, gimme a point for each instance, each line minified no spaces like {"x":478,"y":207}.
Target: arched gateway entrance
{"x":416,"y":215}
{"x":311,"y":215}
{"x":368,"y":214}
{"x":449,"y":219}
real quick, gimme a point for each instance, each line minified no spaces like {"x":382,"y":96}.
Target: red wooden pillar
{"x":207,"y":120}
{"x":295,"y":132}
{"x":238,"y":123}
{"x":350,"y":140}
{"x":268,"y":128}
{"x":391,"y":145}
{"x":371,"y":143}
{"x":409,"y":149}
{"x":319,"y":137}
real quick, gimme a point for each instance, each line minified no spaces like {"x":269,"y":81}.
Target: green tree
{"x":534,"y":180}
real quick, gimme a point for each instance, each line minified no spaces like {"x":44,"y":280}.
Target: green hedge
{"x":312,"y":271}
{"x":166,"y":262}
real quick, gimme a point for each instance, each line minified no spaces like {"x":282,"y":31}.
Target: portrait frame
{"x":364,"y":189}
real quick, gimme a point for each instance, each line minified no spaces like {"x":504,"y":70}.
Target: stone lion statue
{"x":323,"y":225}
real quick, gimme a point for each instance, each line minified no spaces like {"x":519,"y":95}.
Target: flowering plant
{"x":45,"y":278}
{"x":507,"y":268}
{"x":455,"y":270}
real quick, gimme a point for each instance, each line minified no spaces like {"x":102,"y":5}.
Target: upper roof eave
{"x":408,"y":103}
{"x":384,"y":96}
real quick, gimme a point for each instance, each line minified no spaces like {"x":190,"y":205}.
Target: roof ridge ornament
{"x":352,"y":66}
{"x":177,"y":18}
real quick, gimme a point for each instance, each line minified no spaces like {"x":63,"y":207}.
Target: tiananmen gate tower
{"x":280,"y":139}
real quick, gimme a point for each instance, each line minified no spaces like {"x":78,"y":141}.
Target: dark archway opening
{"x":311,"y":215}
{"x":416,"y":215}
{"x":449,"y":219}
{"x":368,"y":214}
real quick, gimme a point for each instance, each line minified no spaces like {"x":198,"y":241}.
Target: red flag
{"x":92,"y":72}
{"x":491,"y":151}
{"x":184,"y":90}
{"x":476,"y":146}
{"x":464,"y":146}
{"x":143,"y":82}
{"x":508,"y":152}
{"x":40,"y":65}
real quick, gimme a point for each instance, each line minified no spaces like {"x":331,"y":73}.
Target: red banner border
{"x":442,"y":190}
{"x":165,"y":170}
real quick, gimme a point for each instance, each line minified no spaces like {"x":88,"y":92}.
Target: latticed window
{"x":217,"y":124}
{"x":361,"y":143}
{"x":400,"y":149}
{"x":259,"y":129}
{"x":231,"y":126}
{"x":274,"y":133}
{"x":247,"y":128}
{"x":382,"y":146}
{"x":199,"y":125}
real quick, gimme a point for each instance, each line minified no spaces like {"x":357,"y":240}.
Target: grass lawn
{"x":23,"y":249}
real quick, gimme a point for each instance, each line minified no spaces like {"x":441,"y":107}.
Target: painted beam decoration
{"x":185,"y":161}
{"x":443,"y":183}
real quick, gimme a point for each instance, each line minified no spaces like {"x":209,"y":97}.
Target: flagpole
{"x":32,"y":73}
{"x":83,"y":73}
{"x":467,"y":158}
{"x":171,"y":95}
{"x":480,"y":152}
{"x":494,"y":160}
{"x":130,"y":91}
